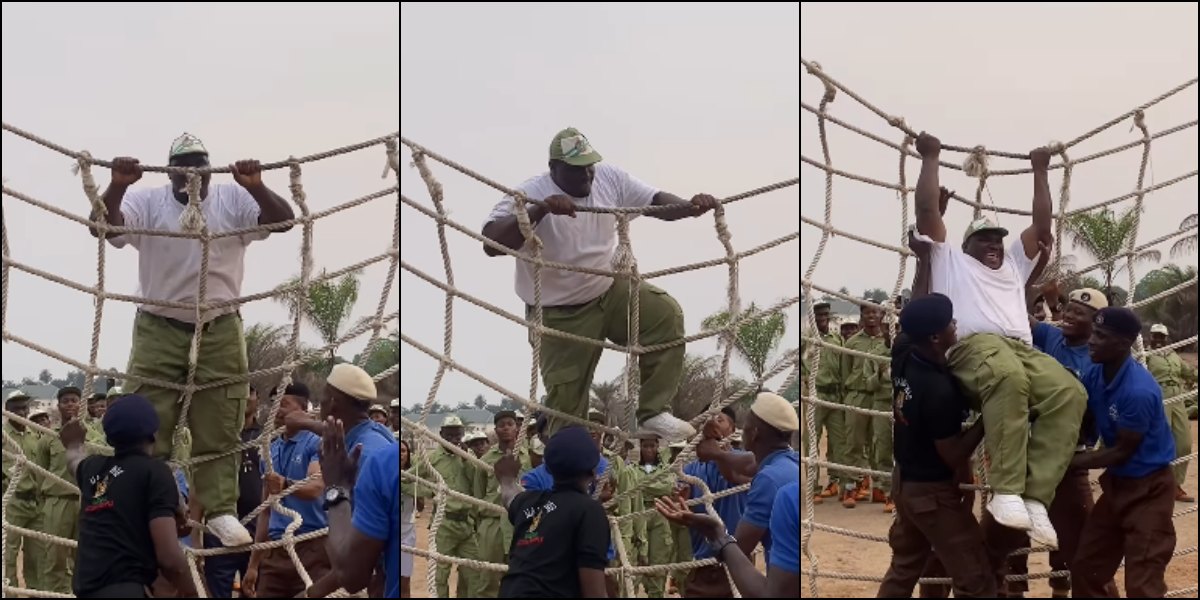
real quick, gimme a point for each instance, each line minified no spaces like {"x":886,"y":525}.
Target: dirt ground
{"x":841,"y":554}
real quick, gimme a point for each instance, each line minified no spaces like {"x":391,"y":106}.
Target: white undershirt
{"x":985,"y":300}
{"x":169,"y":267}
{"x":588,"y":240}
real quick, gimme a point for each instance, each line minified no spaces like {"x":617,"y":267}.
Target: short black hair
{"x":729,"y":412}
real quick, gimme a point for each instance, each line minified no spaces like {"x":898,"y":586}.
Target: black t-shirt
{"x":555,"y":533}
{"x":927,"y":405}
{"x":121,"y":495}
{"x":249,"y":477}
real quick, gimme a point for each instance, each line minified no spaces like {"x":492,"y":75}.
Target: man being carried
{"x":1004,"y":377}
{"x":594,"y":306}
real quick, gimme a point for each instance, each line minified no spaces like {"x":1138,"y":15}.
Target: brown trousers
{"x":277,"y":576}
{"x":708,"y":582}
{"x":1132,"y":520}
{"x":932,"y":519}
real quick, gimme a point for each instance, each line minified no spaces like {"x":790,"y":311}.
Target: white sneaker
{"x":667,"y":427}
{"x":1043,"y":531}
{"x":1010,"y":511}
{"x":230,"y":531}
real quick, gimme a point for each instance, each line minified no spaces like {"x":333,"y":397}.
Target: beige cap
{"x":395,"y":403}
{"x":1092,"y":298}
{"x":452,"y":421}
{"x":352,"y":380}
{"x":41,"y":412}
{"x":1159,"y":328}
{"x":595,"y":416}
{"x":377,"y":408}
{"x":776,"y":411}
{"x":536,"y":446}
{"x":474,"y":435}
{"x":678,"y":445}
{"x":16,"y":395}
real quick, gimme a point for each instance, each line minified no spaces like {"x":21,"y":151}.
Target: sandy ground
{"x":841,"y":554}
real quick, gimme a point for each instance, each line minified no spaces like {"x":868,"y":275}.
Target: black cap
{"x":70,"y":389}
{"x":820,"y":305}
{"x":1119,"y":320}
{"x":296,"y":389}
{"x":926,"y":315}
{"x":504,"y":413}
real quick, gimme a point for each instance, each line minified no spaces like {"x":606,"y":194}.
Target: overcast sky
{"x":703,"y":99}
{"x":252,"y":80}
{"x":1010,"y":77}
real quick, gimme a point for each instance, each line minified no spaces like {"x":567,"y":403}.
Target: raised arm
{"x":1042,"y":229}
{"x":929,"y":218}
{"x":125,"y":171}
{"x":506,"y":231}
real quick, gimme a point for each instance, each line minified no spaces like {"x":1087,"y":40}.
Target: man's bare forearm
{"x":112,"y":201}
{"x":1043,"y":208}
{"x":678,"y":207}
{"x":274,"y":209}
{"x":506,"y":231}
{"x":750,"y":582}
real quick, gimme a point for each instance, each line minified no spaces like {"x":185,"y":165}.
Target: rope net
{"x":975,"y":165}
{"x":195,"y":228}
{"x":624,"y":266}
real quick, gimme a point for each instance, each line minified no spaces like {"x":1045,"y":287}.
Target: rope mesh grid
{"x":975,"y":165}
{"x":624,"y":265}
{"x":205,"y":311}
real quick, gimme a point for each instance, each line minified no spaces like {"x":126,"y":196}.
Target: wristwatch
{"x":718,"y":545}
{"x":334,"y":496}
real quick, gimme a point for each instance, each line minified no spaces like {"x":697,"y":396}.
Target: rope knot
{"x":814,"y":69}
{"x":83,"y":168}
{"x":1139,"y":121}
{"x":976,"y":163}
{"x":192,"y":220}
{"x":623,"y":259}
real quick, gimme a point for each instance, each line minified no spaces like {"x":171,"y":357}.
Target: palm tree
{"x":757,"y":337}
{"x":700,"y":382}
{"x":1177,"y":311}
{"x":1104,"y":235}
{"x":328,"y":307}
{"x":267,"y":346}
{"x":1186,"y":243}
{"x":607,"y":397}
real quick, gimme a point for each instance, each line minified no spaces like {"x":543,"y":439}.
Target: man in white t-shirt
{"x":1032,"y":406}
{"x":594,"y":306}
{"x":169,"y":271}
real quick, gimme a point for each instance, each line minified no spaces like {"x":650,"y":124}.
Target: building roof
{"x":469,"y":416}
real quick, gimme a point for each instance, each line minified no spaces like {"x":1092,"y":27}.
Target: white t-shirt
{"x":588,"y":240}
{"x":169,"y":267}
{"x":985,"y":300}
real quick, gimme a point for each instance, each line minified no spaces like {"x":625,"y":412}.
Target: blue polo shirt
{"x":729,"y":508}
{"x":785,"y":522}
{"x":1132,"y":400}
{"x":377,"y":509}
{"x":1049,"y":339}
{"x":778,"y":469}
{"x":371,"y":435}
{"x":539,"y":479}
{"x":291,"y":458}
